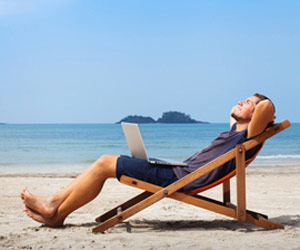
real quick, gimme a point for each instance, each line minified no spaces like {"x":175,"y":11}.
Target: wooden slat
{"x":267,"y":134}
{"x":240,"y":183}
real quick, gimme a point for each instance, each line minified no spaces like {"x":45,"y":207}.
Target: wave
{"x":278,"y":157}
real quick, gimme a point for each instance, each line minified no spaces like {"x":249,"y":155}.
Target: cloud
{"x":15,"y":7}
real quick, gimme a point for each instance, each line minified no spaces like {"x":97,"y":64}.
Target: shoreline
{"x":258,"y":165}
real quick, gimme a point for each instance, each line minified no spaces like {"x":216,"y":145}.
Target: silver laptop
{"x":137,"y":147}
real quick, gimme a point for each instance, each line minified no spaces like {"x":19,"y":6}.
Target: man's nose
{"x":240,"y":103}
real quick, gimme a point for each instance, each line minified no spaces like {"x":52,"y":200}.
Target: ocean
{"x":73,"y":145}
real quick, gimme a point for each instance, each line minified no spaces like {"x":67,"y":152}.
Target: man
{"x":249,"y":118}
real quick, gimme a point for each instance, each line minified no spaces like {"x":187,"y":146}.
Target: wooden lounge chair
{"x":155,"y":193}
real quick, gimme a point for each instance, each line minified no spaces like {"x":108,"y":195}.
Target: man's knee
{"x":107,"y":164}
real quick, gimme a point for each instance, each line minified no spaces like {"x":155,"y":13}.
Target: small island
{"x":137,"y":119}
{"x":167,"y":117}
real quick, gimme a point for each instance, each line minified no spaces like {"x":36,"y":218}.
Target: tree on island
{"x":137,"y":119}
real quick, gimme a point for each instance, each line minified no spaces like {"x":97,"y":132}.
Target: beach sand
{"x":168,"y":224}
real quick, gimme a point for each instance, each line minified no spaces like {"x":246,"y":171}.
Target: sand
{"x":168,"y":224}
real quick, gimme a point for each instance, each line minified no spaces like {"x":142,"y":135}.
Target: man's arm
{"x":262,"y":116}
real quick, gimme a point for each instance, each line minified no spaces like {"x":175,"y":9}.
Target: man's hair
{"x":263,"y":97}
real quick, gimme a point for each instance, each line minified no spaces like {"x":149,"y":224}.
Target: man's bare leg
{"x":54,"y":209}
{"x":48,"y":205}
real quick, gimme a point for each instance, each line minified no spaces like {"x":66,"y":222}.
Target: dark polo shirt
{"x":222,"y":144}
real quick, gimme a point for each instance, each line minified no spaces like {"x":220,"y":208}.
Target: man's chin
{"x":235,"y":117}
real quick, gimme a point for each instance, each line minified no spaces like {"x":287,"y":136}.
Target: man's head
{"x":244,"y":110}
{"x":263,"y":97}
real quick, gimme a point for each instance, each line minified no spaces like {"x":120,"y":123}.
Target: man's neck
{"x":241,"y":126}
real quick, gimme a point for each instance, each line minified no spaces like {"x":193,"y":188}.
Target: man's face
{"x":244,"y":110}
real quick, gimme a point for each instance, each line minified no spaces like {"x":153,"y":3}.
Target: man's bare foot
{"x":44,"y":206}
{"x":39,"y":218}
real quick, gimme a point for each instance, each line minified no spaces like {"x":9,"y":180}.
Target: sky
{"x":72,"y":61}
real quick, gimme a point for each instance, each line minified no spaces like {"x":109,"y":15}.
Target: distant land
{"x":167,"y":117}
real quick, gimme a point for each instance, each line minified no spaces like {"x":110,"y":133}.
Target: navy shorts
{"x":140,"y":169}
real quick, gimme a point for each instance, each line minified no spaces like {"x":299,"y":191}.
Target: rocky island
{"x":167,"y":117}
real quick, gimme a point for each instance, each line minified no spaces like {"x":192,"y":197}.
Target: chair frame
{"x":153,"y":193}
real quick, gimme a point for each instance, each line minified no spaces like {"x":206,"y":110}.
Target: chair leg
{"x":226,"y":191}
{"x":263,"y":222}
{"x":240,"y":183}
{"x":123,"y":207}
{"x":123,"y":215}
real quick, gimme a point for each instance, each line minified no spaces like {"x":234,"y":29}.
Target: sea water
{"x":61,"y":145}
